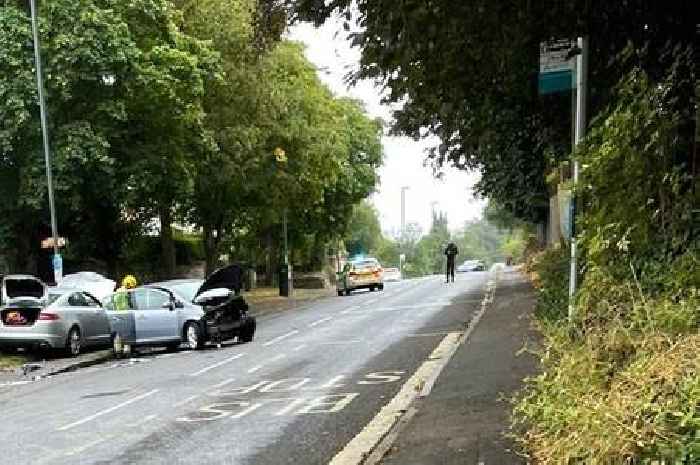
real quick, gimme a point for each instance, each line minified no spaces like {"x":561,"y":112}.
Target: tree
{"x":467,"y":73}
{"x":363,"y":231}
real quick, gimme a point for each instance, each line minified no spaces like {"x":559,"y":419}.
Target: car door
{"x":99,"y":319}
{"x":155,"y":319}
{"x":75,"y":309}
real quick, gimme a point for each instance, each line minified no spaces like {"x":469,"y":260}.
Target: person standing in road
{"x":451,"y":252}
{"x":121,"y":297}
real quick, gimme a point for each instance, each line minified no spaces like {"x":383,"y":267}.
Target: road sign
{"x":48,"y":243}
{"x":57,"y":268}
{"x":556,"y":66}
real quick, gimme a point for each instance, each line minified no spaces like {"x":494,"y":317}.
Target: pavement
{"x":465,"y":418}
{"x":328,"y":383}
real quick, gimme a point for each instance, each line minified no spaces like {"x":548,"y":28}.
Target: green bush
{"x":552,"y":270}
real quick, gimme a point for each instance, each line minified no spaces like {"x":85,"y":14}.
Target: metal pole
{"x":403,"y":227}
{"x":581,"y":94}
{"x":44,"y":128}
{"x":286,"y":242}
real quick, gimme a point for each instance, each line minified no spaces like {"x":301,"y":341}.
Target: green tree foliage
{"x":363,"y":231}
{"x":467,"y":73}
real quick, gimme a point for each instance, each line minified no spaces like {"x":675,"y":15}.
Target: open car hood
{"x":229,"y":277}
{"x":20,"y":288}
{"x":93,"y":283}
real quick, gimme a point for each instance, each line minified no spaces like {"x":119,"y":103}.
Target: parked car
{"x":471,"y":265}
{"x":361,"y":273}
{"x":392,"y":274}
{"x":65,"y":317}
{"x":189,"y":311}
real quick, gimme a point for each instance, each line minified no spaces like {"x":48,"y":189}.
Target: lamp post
{"x":285,"y":284}
{"x":57,"y":261}
{"x":403,"y":228}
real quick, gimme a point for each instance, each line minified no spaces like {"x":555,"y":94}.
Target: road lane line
{"x":106,"y":411}
{"x":224,"y":383}
{"x":217,"y":365}
{"x":186,"y":401}
{"x":281,"y":338}
{"x":297,"y":349}
{"x":256,"y":368}
{"x":318,"y":322}
{"x":84,"y":447}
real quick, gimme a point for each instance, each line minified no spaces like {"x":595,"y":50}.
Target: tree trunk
{"x":167,"y":244}
{"x":211,"y":247}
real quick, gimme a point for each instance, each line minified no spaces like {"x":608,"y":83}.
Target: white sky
{"x":404,"y":157}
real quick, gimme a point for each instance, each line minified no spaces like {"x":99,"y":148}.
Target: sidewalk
{"x":463,"y":419}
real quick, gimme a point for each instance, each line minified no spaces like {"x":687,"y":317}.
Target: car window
{"x":150,"y":299}
{"x":77,"y":299}
{"x":90,"y":301}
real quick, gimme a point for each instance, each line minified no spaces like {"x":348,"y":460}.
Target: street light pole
{"x":403,"y":227}
{"x":44,"y":132}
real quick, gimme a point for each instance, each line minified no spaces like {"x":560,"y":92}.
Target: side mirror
{"x":179,"y":304}
{"x":168,"y":306}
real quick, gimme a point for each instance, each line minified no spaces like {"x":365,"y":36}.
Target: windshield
{"x":187,"y":290}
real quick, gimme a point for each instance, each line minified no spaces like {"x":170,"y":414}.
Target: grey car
{"x":188,"y":311}
{"x":34,"y":316}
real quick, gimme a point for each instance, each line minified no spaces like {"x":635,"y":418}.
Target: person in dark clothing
{"x":451,"y":252}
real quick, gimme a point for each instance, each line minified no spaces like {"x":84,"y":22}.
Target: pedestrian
{"x":451,"y":252}
{"x":121,"y":297}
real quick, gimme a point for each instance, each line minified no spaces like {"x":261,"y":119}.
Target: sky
{"x":328,"y":50}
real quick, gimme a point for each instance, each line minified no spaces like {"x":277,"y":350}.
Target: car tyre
{"x":248,"y":330}
{"x":381,"y":287}
{"x":73,"y":342}
{"x":371,"y":289}
{"x":348,"y":291}
{"x":340,"y":292}
{"x":118,"y":346}
{"x":193,"y":336}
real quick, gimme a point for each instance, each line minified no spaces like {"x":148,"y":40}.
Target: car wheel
{"x":73,"y":342}
{"x":371,"y":289}
{"x":174,"y":347}
{"x":348,"y":291}
{"x":118,"y":346}
{"x":381,"y":287}
{"x":248,"y":330}
{"x":193,"y":336}
{"x":340,"y":292}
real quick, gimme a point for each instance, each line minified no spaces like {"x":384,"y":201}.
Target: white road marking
{"x":256,"y":368}
{"x":318,"y":322}
{"x":217,"y":365}
{"x":106,"y":411}
{"x":224,"y":383}
{"x":362,"y":444}
{"x":261,"y":365}
{"x":84,"y":447}
{"x":297,"y":349}
{"x":140,"y":422}
{"x":281,"y":338}
{"x":186,"y":401}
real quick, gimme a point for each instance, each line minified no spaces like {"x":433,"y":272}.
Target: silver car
{"x":34,"y":316}
{"x":171,"y":313}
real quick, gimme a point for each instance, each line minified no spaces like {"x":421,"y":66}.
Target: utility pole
{"x":403,"y":228}
{"x":57,"y":261}
{"x":581,"y":95}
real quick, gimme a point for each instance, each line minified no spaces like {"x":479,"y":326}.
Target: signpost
{"x":559,"y":72}
{"x":556,"y":66}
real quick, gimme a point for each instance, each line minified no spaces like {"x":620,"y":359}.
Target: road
{"x":312,"y":388}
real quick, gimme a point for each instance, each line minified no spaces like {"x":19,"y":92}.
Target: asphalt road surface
{"x":313,"y":388}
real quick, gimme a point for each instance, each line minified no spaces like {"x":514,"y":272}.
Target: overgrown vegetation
{"x":620,"y":381}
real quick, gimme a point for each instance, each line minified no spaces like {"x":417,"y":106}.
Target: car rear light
{"x":48,"y":316}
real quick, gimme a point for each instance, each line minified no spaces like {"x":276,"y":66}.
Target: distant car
{"x":361,"y":273}
{"x":65,"y":317}
{"x":392,"y":274}
{"x":471,"y":265}
{"x":189,"y":311}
